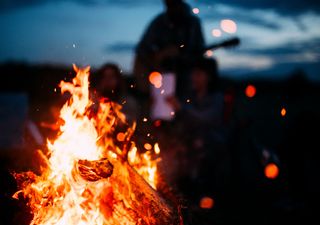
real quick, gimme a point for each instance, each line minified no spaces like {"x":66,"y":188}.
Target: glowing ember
{"x":228,"y":26}
{"x":271,"y":171}
{"x":206,"y":203}
{"x":86,"y":178}
{"x":147,"y":146}
{"x":156,"y":148}
{"x":283,"y":112}
{"x":157,"y":123}
{"x":121,"y":136}
{"x":250,"y":91}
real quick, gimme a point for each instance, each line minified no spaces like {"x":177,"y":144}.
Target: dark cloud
{"x":120,"y":47}
{"x":288,"y":7}
{"x":127,"y":3}
{"x":278,"y":71}
{"x":13,"y":4}
{"x":312,"y":46}
{"x":283,"y":70}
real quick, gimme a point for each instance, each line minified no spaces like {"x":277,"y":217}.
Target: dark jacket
{"x":162,"y":33}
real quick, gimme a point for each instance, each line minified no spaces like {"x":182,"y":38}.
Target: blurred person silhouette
{"x":172,"y":38}
{"x":109,"y":83}
{"x":201,"y":115}
{"x":50,"y":124}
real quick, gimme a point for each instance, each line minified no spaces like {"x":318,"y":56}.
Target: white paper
{"x":161,"y":109}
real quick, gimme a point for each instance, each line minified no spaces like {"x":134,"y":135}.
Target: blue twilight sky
{"x":278,"y":36}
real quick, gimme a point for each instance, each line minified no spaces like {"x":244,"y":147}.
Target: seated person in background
{"x":203,"y":106}
{"x":109,"y":83}
{"x":201,"y":118}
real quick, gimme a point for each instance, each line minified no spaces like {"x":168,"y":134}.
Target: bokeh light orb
{"x":155,"y":78}
{"x":206,"y":202}
{"x":228,"y":26}
{"x":283,"y":112}
{"x":271,"y":171}
{"x":209,"y":53}
{"x":196,"y":10}
{"x":250,"y":91}
{"x":147,"y":146}
{"x":216,"y":33}
{"x":121,"y":136}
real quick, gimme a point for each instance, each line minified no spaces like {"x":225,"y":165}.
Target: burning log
{"x":94,"y":170}
{"x":145,"y":202}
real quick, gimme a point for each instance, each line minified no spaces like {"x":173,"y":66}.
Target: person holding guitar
{"x":171,"y":39}
{"x":172,"y":43}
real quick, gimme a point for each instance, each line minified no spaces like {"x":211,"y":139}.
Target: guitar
{"x":144,"y":66}
{"x":233,"y":42}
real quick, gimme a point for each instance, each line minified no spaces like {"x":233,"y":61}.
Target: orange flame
{"x":60,"y":195}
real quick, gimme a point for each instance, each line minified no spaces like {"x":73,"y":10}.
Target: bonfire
{"x":87,"y":177}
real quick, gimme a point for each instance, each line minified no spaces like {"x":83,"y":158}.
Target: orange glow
{"x":156,"y":148}
{"x":250,"y":91}
{"x":283,"y":112}
{"x":121,"y":136}
{"x":271,"y":171}
{"x":155,"y":78}
{"x":144,"y":165}
{"x":196,"y":10}
{"x":157,"y":123}
{"x":209,"y":53}
{"x":206,"y":203}
{"x":228,"y":26}
{"x":70,"y":192}
{"x":216,"y":33}
{"x":147,"y":146}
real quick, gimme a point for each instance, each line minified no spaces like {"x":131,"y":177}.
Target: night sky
{"x":278,"y":36}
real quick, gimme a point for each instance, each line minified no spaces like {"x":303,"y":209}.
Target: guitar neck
{"x":212,"y":47}
{"x":225,"y":44}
